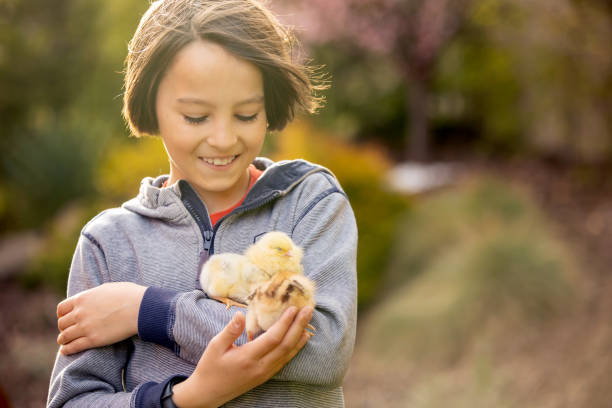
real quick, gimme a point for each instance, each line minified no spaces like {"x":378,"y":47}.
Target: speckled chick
{"x":270,"y":299}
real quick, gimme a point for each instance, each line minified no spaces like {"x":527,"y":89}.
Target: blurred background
{"x":479,"y":131}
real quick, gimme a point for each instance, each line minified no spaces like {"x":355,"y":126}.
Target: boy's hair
{"x":244,"y":28}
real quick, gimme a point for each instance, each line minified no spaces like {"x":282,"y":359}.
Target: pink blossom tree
{"x":412,"y":33}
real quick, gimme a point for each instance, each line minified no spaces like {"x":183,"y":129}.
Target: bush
{"x":126,"y":164}
{"x":479,"y":254}
{"x":51,"y":265}
{"x":45,"y":170}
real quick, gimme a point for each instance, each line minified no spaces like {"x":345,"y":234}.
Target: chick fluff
{"x":231,"y":278}
{"x":275,"y":252}
{"x":270,"y":299}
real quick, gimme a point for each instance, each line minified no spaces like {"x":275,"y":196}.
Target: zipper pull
{"x":207,"y":240}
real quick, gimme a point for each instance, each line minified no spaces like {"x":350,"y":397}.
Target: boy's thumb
{"x":230,"y":333}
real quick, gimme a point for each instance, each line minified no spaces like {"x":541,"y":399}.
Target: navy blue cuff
{"x":156,"y":316}
{"x":149,"y":394}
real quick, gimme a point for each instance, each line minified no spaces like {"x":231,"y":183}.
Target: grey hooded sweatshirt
{"x":161,"y":239}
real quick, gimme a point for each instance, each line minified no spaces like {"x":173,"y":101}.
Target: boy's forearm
{"x":182,"y":321}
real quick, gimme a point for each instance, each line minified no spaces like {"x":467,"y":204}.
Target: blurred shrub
{"x":47,"y":55}
{"x":126,"y":164}
{"x":46,"y":169}
{"x":117,"y":179}
{"x":477,"y":84}
{"x":60,"y":79}
{"x":367,"y":99}
{"x":471,"y":257}
{"x":51,"y":266}
{"x":3,"y":200}
{"x":360,"y":171}
{"x":442,"y":222}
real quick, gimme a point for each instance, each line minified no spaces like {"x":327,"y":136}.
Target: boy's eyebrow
{"x":198,"y":101}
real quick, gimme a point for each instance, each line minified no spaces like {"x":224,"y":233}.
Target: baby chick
{"x":270,"y":299}
{"x":276,"y":252}
{"x":230,"y":278}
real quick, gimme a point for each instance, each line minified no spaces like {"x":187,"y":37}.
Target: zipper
{"x":199,"y":213}
{"x":238,"y":210}
{"x":208,"y":239}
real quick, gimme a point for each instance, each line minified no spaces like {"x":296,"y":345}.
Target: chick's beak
{"x":289,"y":254}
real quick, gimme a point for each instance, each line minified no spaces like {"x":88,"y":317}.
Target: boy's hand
{"x":226,"y":371}
{"x":99,"y":316}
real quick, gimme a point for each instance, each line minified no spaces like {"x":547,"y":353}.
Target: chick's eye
{"x":247,"y":118}
{"x":195,"y":120}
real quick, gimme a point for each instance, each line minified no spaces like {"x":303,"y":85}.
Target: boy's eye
{"x":195,"y":121}
{"x":247,"y":118}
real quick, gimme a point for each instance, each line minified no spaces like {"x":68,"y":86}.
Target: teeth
{"x":219,"y":161}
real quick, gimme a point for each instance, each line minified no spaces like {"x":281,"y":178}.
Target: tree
{"x":412,"y":33}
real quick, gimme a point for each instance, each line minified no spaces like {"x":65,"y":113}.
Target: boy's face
{"x":212,"y":119}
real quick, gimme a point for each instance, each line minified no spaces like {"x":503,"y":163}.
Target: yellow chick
{"x":230,"y":278}
{"x":275,"y":252}
{"x":270,"y":299}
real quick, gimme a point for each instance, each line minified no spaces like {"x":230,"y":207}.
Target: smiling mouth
{"x":219,"y":161}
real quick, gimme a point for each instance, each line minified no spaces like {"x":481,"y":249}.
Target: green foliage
{"x":367,"y":96}
{"x":44,"y":61}
{"x":45,"y":170}
{"x":439,"y":223}
{"x":470,"y":257}
{"x":559,"y":60}
{"x":115,"y":179}
{"x":512,"y":272}
{"x":60,"y":79}
{"x":485,"y":77}
{"x":360,"y":172}
{"x":520,"y":77}
{"x":126,"y":164}
{"x":51,"y":265}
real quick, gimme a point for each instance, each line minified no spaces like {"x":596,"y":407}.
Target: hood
{"x":277,"y":179}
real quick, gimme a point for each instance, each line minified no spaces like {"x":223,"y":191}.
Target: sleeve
{"x":327,"y":232}
{"x":93,"y":378}
{"x":184,"y":322}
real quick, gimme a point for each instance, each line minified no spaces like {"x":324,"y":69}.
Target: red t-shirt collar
{"x":254,"y":174}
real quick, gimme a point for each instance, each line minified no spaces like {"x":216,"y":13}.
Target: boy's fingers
{"x":76,"y":346}
{"x":230,"y":333}
{"x":274,"y":336}
{"x":294,"y":338}
{"x":68,"y":335}
{"x":66,"y":321}
{"x":301,"y":343}
{"x":65,"y":306}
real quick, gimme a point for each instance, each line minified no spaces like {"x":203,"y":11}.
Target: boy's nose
{"x":222,"y":136}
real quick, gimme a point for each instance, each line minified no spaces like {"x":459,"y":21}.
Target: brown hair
{"x":244,"y":28}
